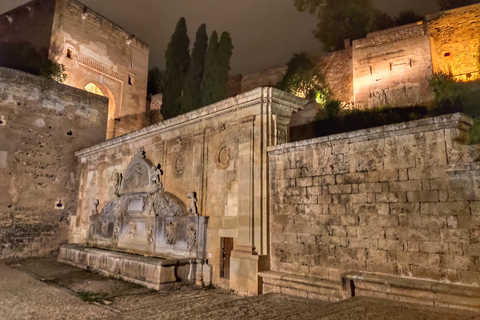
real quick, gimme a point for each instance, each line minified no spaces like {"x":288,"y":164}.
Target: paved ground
{"x":40,"y":289}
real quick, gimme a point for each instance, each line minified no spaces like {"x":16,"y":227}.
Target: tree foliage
{"x":451,"y":4}
{"x":176,"y":66}
{"x":406,"y":17}
{"x":24,"y":57}
{"x":155,"y":82}
{"x":350,"y":19}
{"x":208,"y":86}
{"x":192,"y":99}
{"x":340,"y":20}
{"x":217,"y":68}
{"x":305,"y":78}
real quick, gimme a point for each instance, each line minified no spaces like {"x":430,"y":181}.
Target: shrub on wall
{"x":305,"y":79}
{"x":24,"y":57}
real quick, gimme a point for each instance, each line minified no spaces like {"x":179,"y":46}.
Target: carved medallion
{"x":179,"y":165}
{"x":223,"y":157}
{"x":170,"y":233}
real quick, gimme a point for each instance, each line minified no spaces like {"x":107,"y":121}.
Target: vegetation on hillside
{"x":451,"y":4}
{"x":349,"y":19}
{"x":305,"y":79}
{"x":24,"y":57}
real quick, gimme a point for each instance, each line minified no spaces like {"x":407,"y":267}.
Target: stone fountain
{"x":144,"y":234}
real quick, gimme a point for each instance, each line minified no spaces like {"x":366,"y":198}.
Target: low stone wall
{"x":400,"y":200}
{"x":42,"y":124}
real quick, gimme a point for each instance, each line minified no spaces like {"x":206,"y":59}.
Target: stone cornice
{"x":282,"y":102}
{"x":453,"y":121}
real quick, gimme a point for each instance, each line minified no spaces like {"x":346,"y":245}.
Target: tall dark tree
{"x":451,"y":4}
{"x":217,"y":68}
{"x":224,"y":54}
{"x":209,"y":84}
{"x":192,"y":99}
{"x":176,"y":66}
{"x":155,"y":82}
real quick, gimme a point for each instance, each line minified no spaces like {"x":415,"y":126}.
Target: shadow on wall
{"x":24,"y":57}
{"x":126,"y":124}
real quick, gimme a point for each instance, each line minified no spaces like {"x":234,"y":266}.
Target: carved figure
{"x":191,"y":237}
{"x":154,"y":174}
{"x":95,"y":206}
{"x":118,"y":183}
{"x":192,"y":210}
{"x":132,"y":233}
{"x":170,"y":233}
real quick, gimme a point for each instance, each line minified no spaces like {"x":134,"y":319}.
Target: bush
{"x":24,"y":57}
{"x":305,"y":79}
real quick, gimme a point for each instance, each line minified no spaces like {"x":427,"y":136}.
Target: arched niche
{"x":103,"y":90}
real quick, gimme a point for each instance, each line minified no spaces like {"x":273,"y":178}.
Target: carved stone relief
{"x":281,"y":136}
{"x":179,"y":165}
{"x":191,"y":237}
{"x":132,"y":230}
{"x":223,"y":157}
{"x":192,"y":210}
{"x":150,"y":235}
{"x":170,"y":229}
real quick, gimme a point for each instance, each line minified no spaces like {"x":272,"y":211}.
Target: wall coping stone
{"x":435,"y":123}
{"x":314,"y":281}
{"x":241,"y":101}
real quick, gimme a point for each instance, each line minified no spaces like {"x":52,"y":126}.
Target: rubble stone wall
{"x":400,"y":200}
{"x":42,"y":124}
{"x":455,"y":42}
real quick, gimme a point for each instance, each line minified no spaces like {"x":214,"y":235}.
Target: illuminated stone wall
{"x":392,"y":67}
{"x":218,"y":152}
{"x":455,"y":42}
{"x":399,"y":200}
{"x":42,"y":124}
{"x":93,"y":50}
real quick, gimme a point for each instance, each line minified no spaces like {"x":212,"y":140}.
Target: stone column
{"x":266,"y":128}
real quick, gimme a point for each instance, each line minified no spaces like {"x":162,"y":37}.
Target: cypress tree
{"x":177,"y":62}
{"x":224,"y":54}
{"x":191,"y":99}
{"x":209,"y":75}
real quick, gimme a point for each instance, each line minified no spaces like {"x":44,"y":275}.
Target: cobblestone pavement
{"x":40,"y":289}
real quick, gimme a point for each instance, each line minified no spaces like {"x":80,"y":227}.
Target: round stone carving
{"x":224,"y":157}
{"x":179,"y":165}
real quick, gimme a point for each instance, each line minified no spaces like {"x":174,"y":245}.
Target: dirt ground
{"x":42,"y":288}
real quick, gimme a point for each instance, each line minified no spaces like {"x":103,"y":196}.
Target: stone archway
{"x":103,"y":90}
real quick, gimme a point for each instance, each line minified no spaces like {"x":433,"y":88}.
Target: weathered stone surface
{"x":400,"y":222}
{"x":46,"y":122}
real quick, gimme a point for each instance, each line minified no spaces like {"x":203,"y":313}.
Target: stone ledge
{"x":154,"y":273}
{"x":413,"y":290}
{"x":303,"y":286}
{"x":451,"y":121}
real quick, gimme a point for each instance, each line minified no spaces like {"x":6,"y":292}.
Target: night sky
{"x":265,"y":33}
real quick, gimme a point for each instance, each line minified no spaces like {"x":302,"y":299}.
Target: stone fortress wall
{"x":42,"y":124}
{"x":393,"y":66}
{"x":98,"y":55}
{"x":396,"y":201}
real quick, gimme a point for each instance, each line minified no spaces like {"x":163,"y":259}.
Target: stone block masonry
{"x":400,"y":200}
{"x":42,"y":124}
